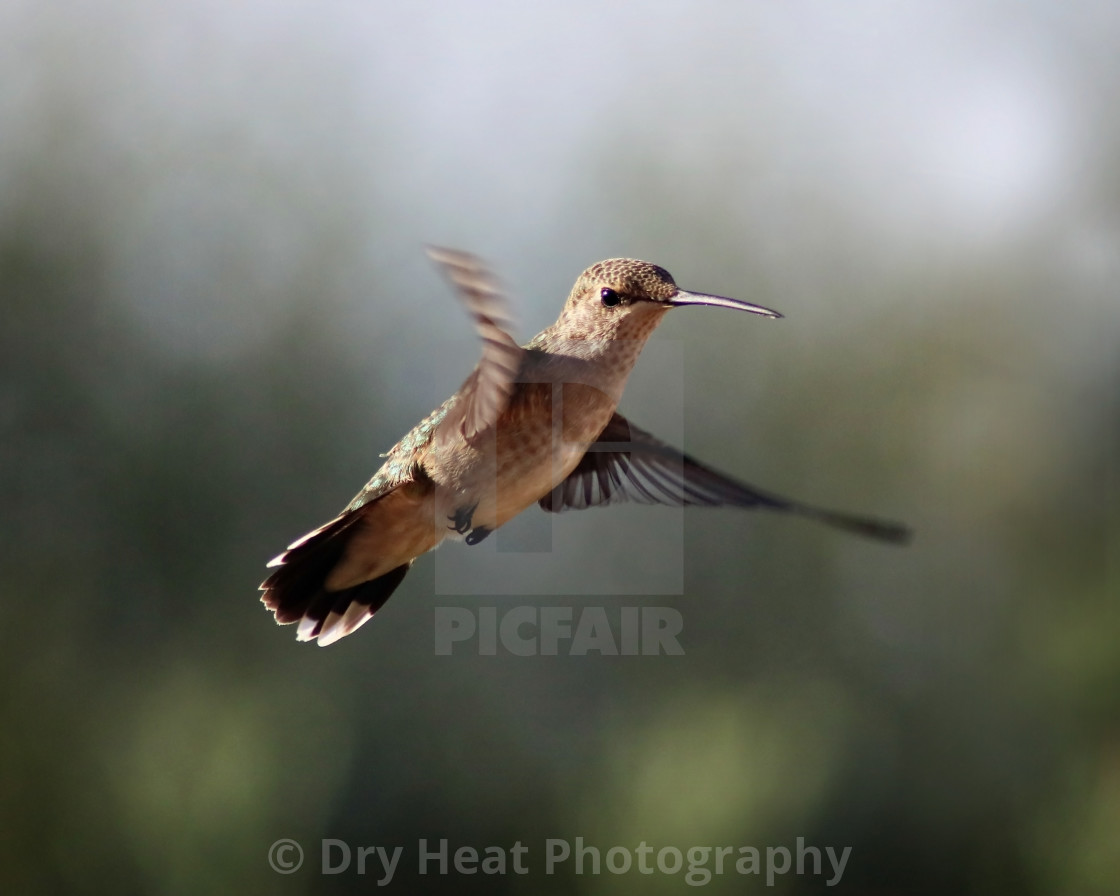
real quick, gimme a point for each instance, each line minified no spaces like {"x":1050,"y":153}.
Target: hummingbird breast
{"x":535,"y":443}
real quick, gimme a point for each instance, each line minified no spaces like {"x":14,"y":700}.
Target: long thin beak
{"x":699,"y":298}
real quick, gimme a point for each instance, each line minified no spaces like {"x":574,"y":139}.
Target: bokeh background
{"x":216,"y":312}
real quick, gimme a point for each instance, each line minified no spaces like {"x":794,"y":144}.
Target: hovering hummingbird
{"x":530,"y":425}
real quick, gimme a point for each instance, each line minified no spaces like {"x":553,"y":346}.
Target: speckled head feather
{"x":617,"y":299}
{"x":629,"y":276}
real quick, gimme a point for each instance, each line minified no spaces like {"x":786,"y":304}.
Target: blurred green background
{"x":216,"y":312}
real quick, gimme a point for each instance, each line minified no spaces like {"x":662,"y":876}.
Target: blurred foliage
{"x":201,"y":355}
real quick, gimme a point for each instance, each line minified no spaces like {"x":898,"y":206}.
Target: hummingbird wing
{"x":486,"y":392}
{"x":627,"y":464}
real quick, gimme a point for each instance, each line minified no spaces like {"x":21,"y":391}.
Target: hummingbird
{"x":532,"y":424}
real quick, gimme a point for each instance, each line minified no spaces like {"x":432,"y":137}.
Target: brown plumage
{"x":532,"y":424}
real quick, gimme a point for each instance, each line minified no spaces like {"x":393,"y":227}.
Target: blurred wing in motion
{"x":486,"y":391}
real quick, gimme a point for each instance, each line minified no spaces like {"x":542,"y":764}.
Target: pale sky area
{"x":227,"y":133}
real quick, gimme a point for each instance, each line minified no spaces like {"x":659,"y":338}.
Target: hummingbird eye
{"x":609,"y":297}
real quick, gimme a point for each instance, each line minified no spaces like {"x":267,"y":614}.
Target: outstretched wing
{"x":628,"y":464}
{"x":486,"y":392}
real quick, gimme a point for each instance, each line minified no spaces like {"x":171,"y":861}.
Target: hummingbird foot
{"x":476,"y":535}
{"x":461,"y":520}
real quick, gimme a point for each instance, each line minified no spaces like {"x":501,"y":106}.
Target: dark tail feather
{"x":295,"y":592}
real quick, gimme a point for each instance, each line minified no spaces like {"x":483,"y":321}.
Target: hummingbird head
{"x":623,"y":298}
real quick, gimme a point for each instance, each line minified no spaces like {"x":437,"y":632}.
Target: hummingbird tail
{"x":296,"y":592}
